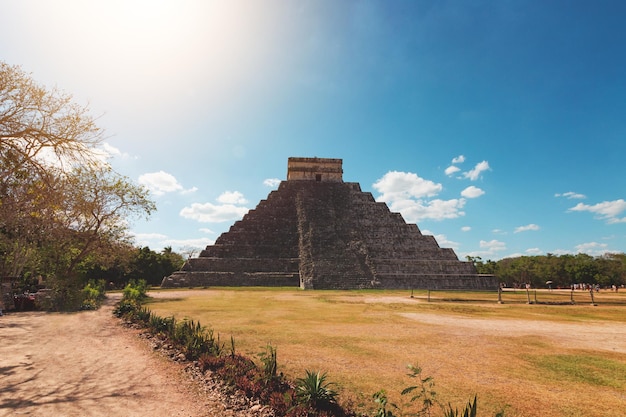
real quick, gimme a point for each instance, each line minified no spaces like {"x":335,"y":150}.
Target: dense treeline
{"x":125,"y":265}
{"x":564,"y":270}
{"x":134,"y":265}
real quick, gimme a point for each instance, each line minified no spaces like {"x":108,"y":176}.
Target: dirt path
{"x":595,"y":336}
{"x":86,"y":364}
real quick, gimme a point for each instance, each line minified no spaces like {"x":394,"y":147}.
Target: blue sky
{"x":499,"y":127}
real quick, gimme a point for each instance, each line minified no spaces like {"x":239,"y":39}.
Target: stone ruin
{"x":317,"y":232}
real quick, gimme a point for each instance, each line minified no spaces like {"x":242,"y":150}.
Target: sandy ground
{"x":593,"y":336}
{"x":87,"y":364}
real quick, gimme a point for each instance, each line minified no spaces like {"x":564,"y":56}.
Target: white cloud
{"x":488,"y":248}
{"x":231,"y":197}
{"x":472,"y":192}
{"x":466,"y":229}
{"x":206,"y":230}
{"x":592,"y":248}
{"x":407,"y":193}
{"x":571,"y":195}
{"x":161,"y":182}
{"x":272,"y":182}
{"x":211,"y":213}
{"x":185,"y":244}
{"x":107,"y":151}
{"x":451,"y":170}
{"x":526,"y":228}
{"x":415,"y":211}
{"x":396,"y":185}
{"x":459,"y":159}
{"x":607,"y":210}
{"x":190,"y":190}
{"x":474,"y":174}
{"x":443,"y":242}
{"x":493,"y":245}
{"x":534,"y":251}
{"x":153,"y":240}
{"x":141,"y":237}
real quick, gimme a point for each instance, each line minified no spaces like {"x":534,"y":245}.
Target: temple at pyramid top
{"x":315,"y":169}
{"x":317,"y":232}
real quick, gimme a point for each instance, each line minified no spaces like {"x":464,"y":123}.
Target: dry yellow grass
{"x":531,"y":360}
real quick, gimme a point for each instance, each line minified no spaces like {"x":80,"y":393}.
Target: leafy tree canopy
{"x":60,"y":204}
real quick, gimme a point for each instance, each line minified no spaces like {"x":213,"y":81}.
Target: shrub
{"x":62,"y":295}
{"x":93,"y":294}
{"x":196,"y":340}
{"x":135,"y":290}
{"x":125,"y":308}
{"x":315,"y":391}
{"x":161,"y":325}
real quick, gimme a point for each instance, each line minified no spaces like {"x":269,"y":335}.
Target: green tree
{"x":38,"y":126}
{"x":153,"y":266}
{"x":58,"y":203}
{"x":42,"y":134}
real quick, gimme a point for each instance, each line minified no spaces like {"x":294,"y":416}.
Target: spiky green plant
{"x":270,"y":366}
{"x":142,"y":314}
{"x":164,"y":325}
{"x":315,"y":391}
{"x":470,"y":410}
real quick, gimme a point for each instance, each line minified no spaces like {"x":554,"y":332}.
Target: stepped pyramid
{"x":318,"y":232}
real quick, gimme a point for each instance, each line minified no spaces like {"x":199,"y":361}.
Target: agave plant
{"x":314,"y":390}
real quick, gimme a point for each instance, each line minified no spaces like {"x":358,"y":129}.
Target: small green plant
{"x":470,"y":410}
{"x":163,"y":325}
{"x":270,"y":366}
{"x":380,"y":398}
{"x":315,"y":391}
{"x":125,"y":308}
{"x":232,"y":346}
{"x":423,"y":392}
{"x":142,"y":314}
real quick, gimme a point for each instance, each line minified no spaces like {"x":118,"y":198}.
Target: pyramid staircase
{"x":319,"y":234}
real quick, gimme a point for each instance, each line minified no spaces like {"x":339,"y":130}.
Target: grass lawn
{"x":530,"y":360}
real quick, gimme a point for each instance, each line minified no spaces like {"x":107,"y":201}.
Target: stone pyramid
{"x":318,"y":232}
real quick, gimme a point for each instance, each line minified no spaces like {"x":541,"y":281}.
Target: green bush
{"x":315,"y":391}
{"x":135,"y":290}
{"x":126,"y":308}
{"x":93,"y":294}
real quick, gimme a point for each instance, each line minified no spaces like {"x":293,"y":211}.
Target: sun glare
{"x":151,"y":50}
